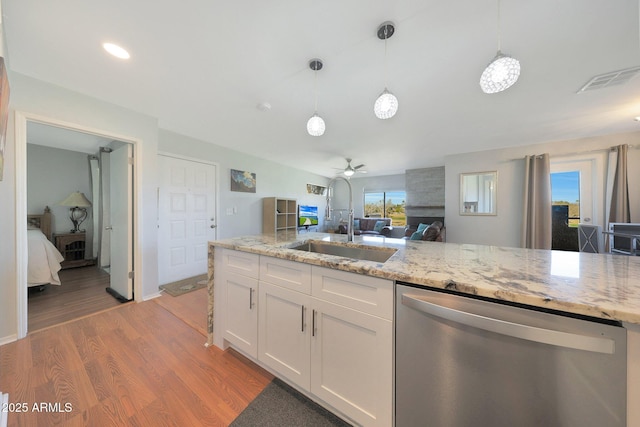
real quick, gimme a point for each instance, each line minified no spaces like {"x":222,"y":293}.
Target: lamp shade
{"x":500,"y":74}
{"x":315,"y":125}
{"x":76,"y":199}
{"x":386,"y":106}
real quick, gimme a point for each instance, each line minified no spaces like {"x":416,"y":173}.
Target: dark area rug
{"x":280,"y":405}
{"x":183,"y":286}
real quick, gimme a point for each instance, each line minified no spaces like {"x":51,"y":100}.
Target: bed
{"x":44,"y":258}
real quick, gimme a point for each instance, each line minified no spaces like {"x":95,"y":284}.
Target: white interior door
{"x":121,"y":225}
{"x":186,"y":217}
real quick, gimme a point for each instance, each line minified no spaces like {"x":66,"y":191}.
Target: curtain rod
{"x":575,"y":153}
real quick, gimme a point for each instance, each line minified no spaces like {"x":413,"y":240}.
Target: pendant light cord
{"x":386,"y":36}
{"x":315,"y":88}
{"x":498,"y":24}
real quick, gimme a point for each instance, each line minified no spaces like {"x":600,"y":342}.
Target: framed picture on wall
{"x":243,"y":181}
{"x":4,"y":112}
{"x":316,"y":189}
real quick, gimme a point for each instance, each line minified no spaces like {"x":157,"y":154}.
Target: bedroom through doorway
{"x":82,"y":234}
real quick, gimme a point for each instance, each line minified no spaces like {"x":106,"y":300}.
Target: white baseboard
{"x":8,"y":339}
{"x":152,"y":296}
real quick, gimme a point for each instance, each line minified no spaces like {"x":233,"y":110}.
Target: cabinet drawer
{"x":238,"y":262}
{"x":368,"y":294}
{"x":288,"y":274}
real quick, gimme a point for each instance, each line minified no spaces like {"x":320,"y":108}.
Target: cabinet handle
{"x":250,"y":298}
{"x":302,"y":320}
{"x":313,"y":323}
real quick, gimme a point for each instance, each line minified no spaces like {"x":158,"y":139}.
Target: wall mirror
{"x":478,"y":193}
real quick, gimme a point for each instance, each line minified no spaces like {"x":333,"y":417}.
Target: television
{"x":307,"y":215}
{"x":621,"y":244}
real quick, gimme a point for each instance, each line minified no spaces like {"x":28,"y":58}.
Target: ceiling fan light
{"x":349,"y":172}
{"x":315,"y":125}
{"x":500,"y":74}
{"x":386,"y":105}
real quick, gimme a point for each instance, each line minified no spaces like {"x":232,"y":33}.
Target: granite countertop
{"x":599,"y":285}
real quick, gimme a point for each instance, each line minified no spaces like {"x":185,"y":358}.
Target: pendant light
{"x":386,"y":105}
{"x":502,"y":72}
{"x":315,"y":125}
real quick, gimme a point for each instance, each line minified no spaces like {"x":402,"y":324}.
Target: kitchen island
{"x":595,"y":285}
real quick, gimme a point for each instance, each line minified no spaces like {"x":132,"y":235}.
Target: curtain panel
{"x":619,"y":211}
{"x":536,"y":218}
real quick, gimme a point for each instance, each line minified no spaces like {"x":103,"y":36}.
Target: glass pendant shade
{"x":386,"y":105}
{"x":315,"y":125}
{"x":349,"y":171}
{"x":500,"y":74}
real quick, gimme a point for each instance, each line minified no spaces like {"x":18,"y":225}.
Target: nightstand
{"x":72,"y":248}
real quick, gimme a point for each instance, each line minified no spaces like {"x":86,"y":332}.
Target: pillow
{"x":422,"y":227}
{"x":356,"y":224}
{"x":417,"y":235}
{"x":432,"y":233}
{"x":379,"y":226}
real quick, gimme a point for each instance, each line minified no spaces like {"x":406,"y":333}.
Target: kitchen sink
{"x":348,"y":251}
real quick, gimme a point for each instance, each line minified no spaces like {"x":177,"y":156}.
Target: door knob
{"x":108,"y":228}
{"x":213,"y":226}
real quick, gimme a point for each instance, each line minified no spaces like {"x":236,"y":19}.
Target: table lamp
{"x":78,"y":210}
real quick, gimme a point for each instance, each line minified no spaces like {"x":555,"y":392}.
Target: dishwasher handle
{"x":516,"y":330}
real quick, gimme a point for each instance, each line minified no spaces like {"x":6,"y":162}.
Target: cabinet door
{"x":241,"y":322}
{"x":351,"y":363}
{"x":284,"y":332}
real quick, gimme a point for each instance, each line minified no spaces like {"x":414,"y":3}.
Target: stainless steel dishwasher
{"x":463,"y":361}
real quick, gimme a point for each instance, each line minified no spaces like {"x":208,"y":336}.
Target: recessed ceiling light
{"x":116,"y":50}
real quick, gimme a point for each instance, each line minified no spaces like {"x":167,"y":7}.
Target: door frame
{"x":586,"y":168}
{"x":216,"y":165}
{"x":21,"y":119}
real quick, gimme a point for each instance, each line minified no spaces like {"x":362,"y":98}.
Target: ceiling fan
{"x":350,"y":170}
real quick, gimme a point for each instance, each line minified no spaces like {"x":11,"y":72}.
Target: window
{"x":389,"y":204}
{"x":565,"y":191}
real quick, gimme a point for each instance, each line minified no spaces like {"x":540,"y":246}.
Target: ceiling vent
{"x":610,"y":79}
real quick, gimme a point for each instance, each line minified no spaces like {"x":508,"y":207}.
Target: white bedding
{"x":44,"y":260}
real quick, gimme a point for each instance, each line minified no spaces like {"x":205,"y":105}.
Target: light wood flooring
{"x":141,"y":364}
{"x":82,"y":293}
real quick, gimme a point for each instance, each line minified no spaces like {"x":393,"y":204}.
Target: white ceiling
{"x":202,"y":67}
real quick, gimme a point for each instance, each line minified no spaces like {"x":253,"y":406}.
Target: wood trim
{"x":42,"y":221}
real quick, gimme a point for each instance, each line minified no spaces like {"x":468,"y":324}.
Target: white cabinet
{"x":337,"y":344}
{"x":237,"y":277}
{"x":328,"y":332}
{"x":284,"y":333}
{"x":351,"y":362}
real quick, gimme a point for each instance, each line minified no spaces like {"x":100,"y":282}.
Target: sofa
{"x":368,"y":226}
{"x":425,"y":228}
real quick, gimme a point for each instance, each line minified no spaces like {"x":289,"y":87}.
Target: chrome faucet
{"x":327,"y":215}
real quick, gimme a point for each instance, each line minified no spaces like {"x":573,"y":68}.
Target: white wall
{"x":43,"y":99}
{"x":504,"y":228}
{"x":53,"y":174}
{"x":272,"y":179}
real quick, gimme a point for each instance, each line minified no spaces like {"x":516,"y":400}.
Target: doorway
{"x":187,"y":199}
{"x":572,"y":198}
{"x":23,"y":123}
